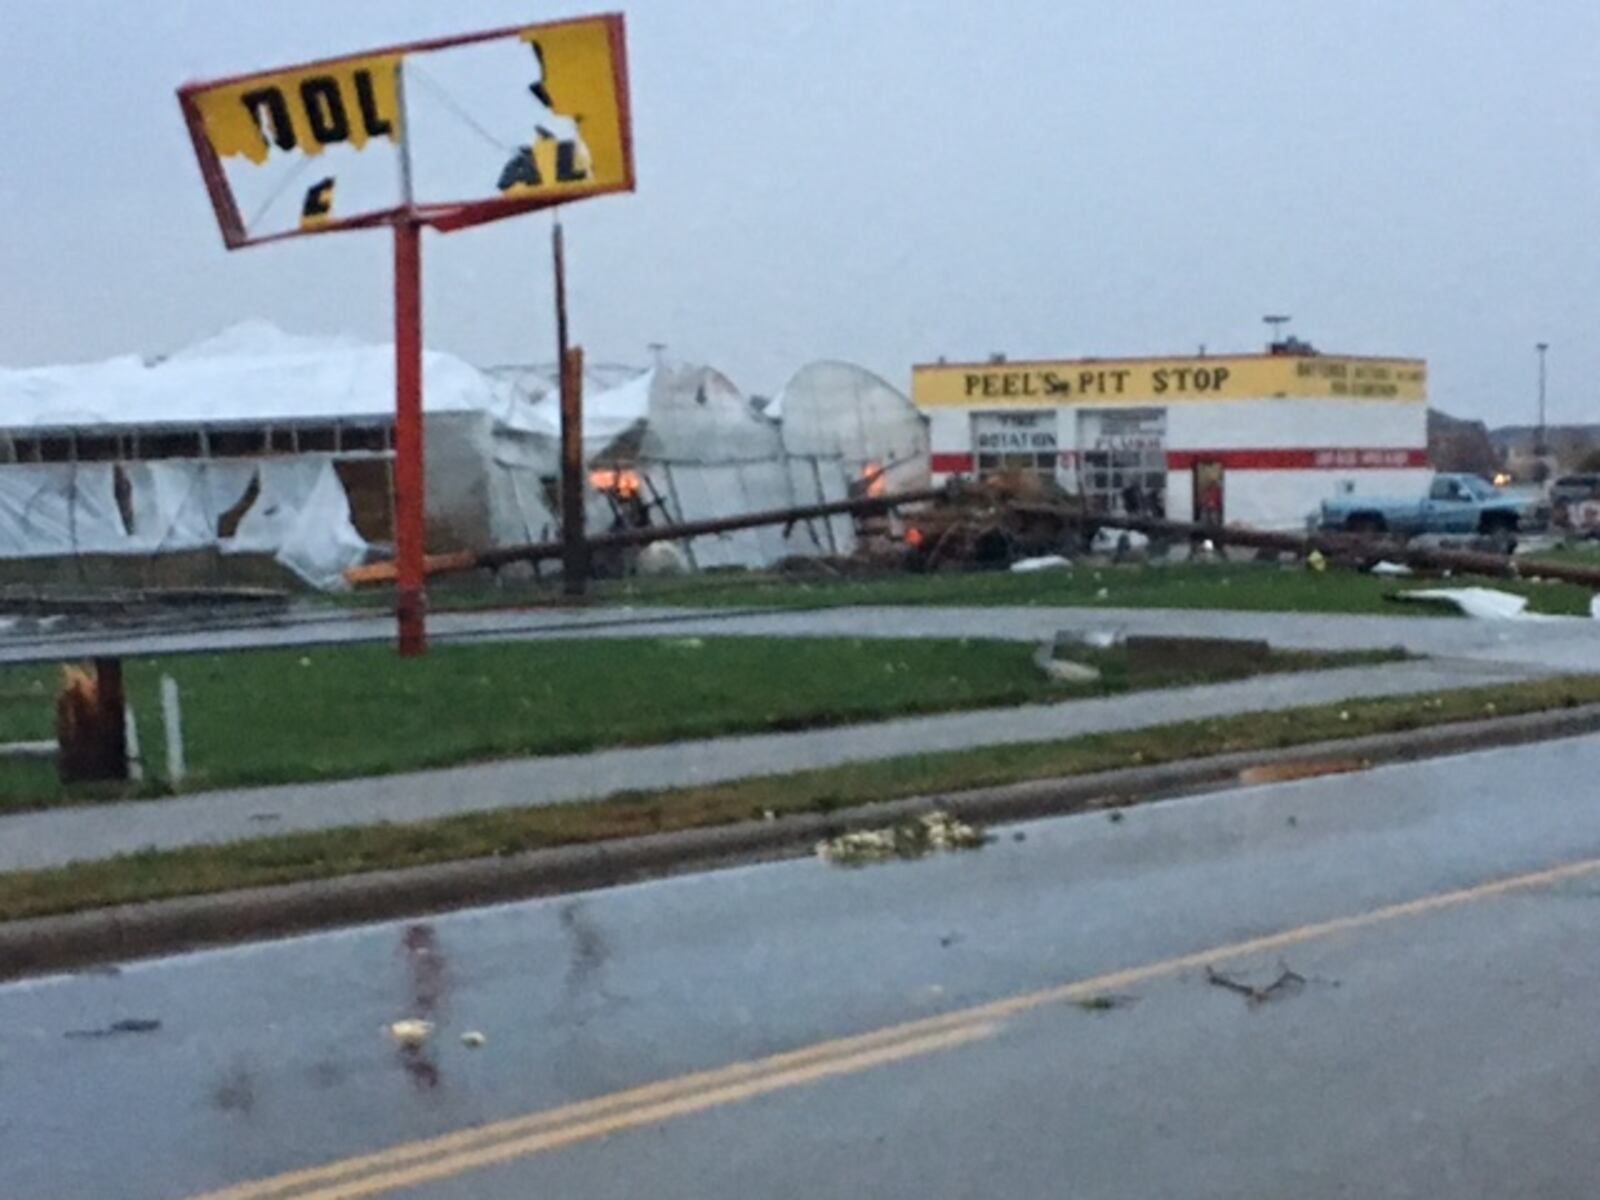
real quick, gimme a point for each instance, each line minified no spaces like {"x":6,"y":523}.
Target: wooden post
{"x":111,"y":728}
{"x":91,"y":724}
{"x":574,"y":551}
{"x":412,"y":601}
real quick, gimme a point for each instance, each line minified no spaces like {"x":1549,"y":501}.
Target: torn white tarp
{"x":698,"y":415}
{"x":50,"y":509}
{"x":836,"y":409}
{"x":177,"y":504}
{"x":300,"y":511}
{"x":712,"y":491}
{"x":252,"y":373}
{"x":323,"y":541}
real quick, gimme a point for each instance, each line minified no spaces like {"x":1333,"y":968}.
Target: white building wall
{"x":1290,"y":424}
{"x":1285,"y":499}
{"x":1279,"y":488}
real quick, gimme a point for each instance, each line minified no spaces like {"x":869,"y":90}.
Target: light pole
{"x":1540,"y":449}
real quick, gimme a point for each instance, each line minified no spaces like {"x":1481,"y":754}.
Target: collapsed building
{"x":259,"y":456}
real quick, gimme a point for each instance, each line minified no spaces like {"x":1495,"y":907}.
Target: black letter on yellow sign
{"x":268,"y":103}
{"x":325,"y":109}
{"x":376,"y":125}
{"x":567,"y":169}
{"x":318,"y":205}
{"x":520,"y":171}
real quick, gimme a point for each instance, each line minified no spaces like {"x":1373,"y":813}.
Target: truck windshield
{"x":1478,"y":489}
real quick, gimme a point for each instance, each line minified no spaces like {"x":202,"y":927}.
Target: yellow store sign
{"x":1168,"y":380}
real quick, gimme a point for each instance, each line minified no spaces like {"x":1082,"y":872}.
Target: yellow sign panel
{"x":1167,"y":380}
{"x":305,"y":111}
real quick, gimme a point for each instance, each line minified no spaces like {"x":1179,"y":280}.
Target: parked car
{"x":1460,"y":504}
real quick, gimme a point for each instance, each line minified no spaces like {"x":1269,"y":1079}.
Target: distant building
{"x":1462,"y":446}
{"x":1258,"y":439}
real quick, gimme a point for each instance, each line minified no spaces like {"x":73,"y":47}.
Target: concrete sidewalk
{"x":1570,"y":642}
{"x":57,"y":836}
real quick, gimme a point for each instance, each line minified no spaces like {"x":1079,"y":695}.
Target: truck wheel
{"x":1364,"y":523}
{"x":1501,"y":532}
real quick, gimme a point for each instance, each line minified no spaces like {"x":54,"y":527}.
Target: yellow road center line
{"x":282,"y":1187}
{"x":451,"y":1154}
{"x":650,"y":1114}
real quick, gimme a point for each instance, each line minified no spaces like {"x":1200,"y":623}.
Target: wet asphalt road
{"x":1445,"y":1051}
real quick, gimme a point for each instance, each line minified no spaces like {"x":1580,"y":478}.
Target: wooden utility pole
{"x":575,"y":552}
{"x":409,"y":488}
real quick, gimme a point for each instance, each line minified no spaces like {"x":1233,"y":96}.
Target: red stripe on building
{"x":1298,"y":460}
{"x":1244,"y":460}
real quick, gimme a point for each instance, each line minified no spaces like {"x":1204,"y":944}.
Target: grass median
{"x":289,"y":858}
{"x":285,"y":716}
{"x":1248,"y":586}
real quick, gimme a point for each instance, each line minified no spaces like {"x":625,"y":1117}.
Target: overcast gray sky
{"x":885,"y":182}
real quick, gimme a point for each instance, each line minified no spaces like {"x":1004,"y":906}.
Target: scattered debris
{"x":909,"y":839}
{"x":1486,"y":604}
{"x":1063,"y":670}
{"x":1385,"y":567}
{"x":474,"y":1040}
{"x":1288,"y":983}
{"x":1045,"y":562}
{"x":411,"y":1032}
{"x":126,"y":1025}
{"x":1287,"y":772}
{"x":1106,"y":1002}
{"x":949,"y":939}
{"x":235,"y":1091}
{"x":1115,"y":816}
{"x":1315,"y":561}
{"x":1069,"y":640}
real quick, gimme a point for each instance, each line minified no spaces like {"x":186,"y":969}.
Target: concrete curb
{"x":47,"y":944}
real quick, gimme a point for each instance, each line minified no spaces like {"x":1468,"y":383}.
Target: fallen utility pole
{"x":1361,"y":547}
{"x":471,"y":560}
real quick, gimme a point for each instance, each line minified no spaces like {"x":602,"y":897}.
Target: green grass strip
{"x":156,"y":875}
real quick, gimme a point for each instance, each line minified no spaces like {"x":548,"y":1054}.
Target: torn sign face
{"x":455,"y":131}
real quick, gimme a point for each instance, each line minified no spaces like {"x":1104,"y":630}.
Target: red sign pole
{"x":412,"y":602}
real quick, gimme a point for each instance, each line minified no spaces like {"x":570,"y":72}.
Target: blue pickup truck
{"x":1463,"y":504}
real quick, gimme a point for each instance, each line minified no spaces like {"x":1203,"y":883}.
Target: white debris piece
{"x":1486,"y":604}
{"x":1385,"y":567}
{"x":663,"y":558}
{"x":411,"y":1032}
{"x":1045,"y":562}
{"x":910,"y":839}
{"x":473,"y":1040}
{"x":1108,"y":540}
